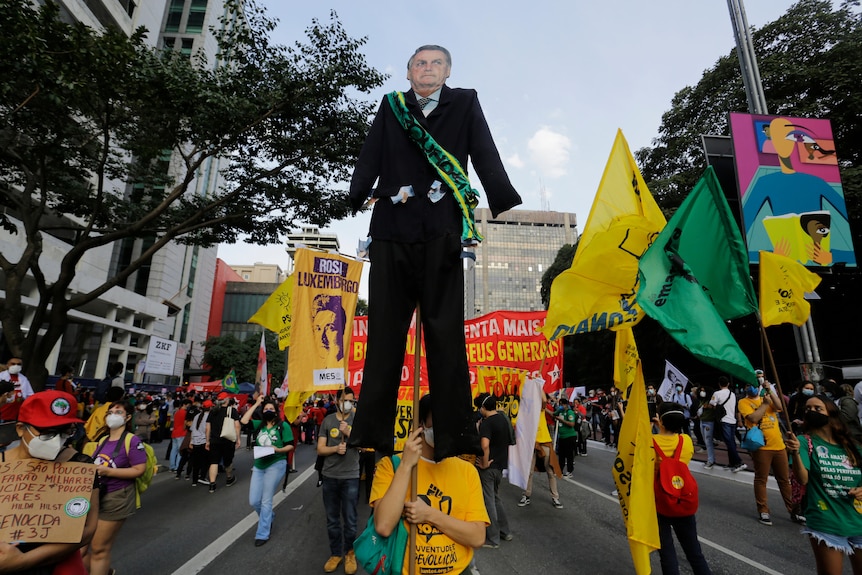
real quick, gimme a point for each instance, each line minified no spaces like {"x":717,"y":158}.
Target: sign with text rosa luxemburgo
{"x":44,"y":501}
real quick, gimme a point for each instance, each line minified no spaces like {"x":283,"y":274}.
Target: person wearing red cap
{"x":46,"y":420}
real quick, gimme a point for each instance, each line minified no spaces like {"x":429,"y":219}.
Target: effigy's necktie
{"x":423,"y":102}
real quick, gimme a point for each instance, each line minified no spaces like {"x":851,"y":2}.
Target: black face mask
{"x":268,"y":416}
{"x":815,"y":420}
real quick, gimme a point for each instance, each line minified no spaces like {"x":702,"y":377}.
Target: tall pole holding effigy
{"x":414,"y":474}
{"x":806,"y":342}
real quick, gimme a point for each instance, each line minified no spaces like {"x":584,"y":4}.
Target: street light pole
{"x":806,"y":343}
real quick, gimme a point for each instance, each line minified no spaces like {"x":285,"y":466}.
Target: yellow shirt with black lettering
{"x":453,"y":487}
{"x":768,"y":425}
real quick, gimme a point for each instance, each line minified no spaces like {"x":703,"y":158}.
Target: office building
{"x":518,"y":247}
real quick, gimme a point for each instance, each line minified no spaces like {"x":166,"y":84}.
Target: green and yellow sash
{"x":447,"y":166}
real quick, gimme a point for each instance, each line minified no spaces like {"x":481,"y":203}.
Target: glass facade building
{"x":518,"y":247}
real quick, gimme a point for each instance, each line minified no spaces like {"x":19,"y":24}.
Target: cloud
{"x":549,"y":151}
{"x":515,"y":161}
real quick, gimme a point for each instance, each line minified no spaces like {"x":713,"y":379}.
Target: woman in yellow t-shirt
{"x":449,"y":512}
{"x":761,"y":407}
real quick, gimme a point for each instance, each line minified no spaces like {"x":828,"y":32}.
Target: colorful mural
{"x":791,"y":195}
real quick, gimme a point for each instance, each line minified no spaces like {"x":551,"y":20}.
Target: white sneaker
{"x":524,"y":501}
{"x":556,"y":503}
{"x":739,"y":468}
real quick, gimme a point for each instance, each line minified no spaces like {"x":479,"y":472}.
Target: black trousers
{"x":402,"y":275}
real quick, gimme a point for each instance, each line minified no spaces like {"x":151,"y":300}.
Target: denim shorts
{"x":847,"y":545}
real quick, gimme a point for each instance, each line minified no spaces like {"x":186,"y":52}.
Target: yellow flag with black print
{"x":275,"y":312}
{"x":634,"y":467}
{"x":783,"y":283}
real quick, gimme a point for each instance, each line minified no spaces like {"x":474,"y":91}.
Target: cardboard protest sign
{"x":44,"y":501}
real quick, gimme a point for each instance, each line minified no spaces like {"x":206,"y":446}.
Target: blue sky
{"x":556,"y":78}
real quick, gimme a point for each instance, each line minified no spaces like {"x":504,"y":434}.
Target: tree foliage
{"x":810,"y":66}
{"x":563,"y":261}
{"x":226,"y":352}
{"x":103,"y":138}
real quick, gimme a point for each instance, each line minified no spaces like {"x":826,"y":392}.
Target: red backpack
{"x":675,"y":488}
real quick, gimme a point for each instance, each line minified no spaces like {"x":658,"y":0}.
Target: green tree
{"x":810,"y":66}
{"x":361,"y":306}
{"x":226,"y":352}
{"x":103,"y":139}
{"x":562,"y":262}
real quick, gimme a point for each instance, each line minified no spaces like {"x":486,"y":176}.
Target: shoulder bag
{"x":228,"y":429}
{"x":382,"y":555}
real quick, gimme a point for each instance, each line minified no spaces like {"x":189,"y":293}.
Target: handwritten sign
{"x":44,"y":501}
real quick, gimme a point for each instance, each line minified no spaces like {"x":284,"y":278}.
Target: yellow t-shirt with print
{"x":451,"y":486}
{"x":768,"y":425}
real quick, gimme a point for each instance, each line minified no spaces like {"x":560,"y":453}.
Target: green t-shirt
{"x":278,"y":435}
{"x":830,"y":508}
{"x":565,"y":431}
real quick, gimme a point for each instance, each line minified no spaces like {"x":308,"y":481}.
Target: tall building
{"x":170,"y":296}
{"x":518,"y":247}
{"x":309,"y":237}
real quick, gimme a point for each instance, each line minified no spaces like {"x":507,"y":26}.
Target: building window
{"x":175,"y":16}
{"x":188,"y":44}
{"x":197,"y":14}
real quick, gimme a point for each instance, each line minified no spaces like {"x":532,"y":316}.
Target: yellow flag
{"x":293,"y":404}
{"x":324,"y":303}
{"x":634,"y":468}
{"x":783,"y":283}
{"x":275,"y":312}
{"x":598,"y":291}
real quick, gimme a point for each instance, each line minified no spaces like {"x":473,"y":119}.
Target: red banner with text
{"x":501,"y":339}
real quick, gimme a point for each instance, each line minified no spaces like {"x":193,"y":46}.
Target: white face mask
{"x":346,"y":405}
{"x":14,"y":369}
{"x":46,"y":450}
{"x":115,"y":420}
{"x":429,"y":435}
{"x":703,"y":394}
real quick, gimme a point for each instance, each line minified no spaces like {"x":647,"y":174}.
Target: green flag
{"x":695,"y":276}
{"x":229,"y":383}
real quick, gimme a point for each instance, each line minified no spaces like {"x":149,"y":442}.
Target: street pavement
{"x":183,"y":530}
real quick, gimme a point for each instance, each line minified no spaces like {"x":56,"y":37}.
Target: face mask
{"x":115,"y":420}
{"x":650,"y":392}
{"x":679,"y":388}
{"x":760,"y":379}
{"x":815,"y":420}
{"x":429,"y":435}
{"x":45,"y":450}
{"x":14,"y":369}
{"x":808,"y":392}
{"x":703,"y":394}
{"x":346,"y":406}
{"x":142,"y":407}
{"x":268,"y":416}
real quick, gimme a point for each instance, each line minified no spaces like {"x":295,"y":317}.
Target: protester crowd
{"x":815,"y":445}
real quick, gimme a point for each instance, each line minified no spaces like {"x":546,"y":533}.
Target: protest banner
{"x":505,"y":339}
{"x":44,"y":501}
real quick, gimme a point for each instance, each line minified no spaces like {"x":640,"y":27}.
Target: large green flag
{"x":695,"y":276}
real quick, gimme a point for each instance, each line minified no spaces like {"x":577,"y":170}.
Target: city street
{"x":185,"y":530}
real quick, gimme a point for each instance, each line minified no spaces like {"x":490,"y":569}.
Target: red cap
{"x":49,"y":409}
{"x":208,"y":404}
{"x":223,"y":395}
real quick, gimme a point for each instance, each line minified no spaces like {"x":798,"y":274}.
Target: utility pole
{"x":806,"y":342}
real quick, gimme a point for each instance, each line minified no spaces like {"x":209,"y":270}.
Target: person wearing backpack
{"x":120,"y":460}
{"x":268,"y":469}
{"x":676,"y":498}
